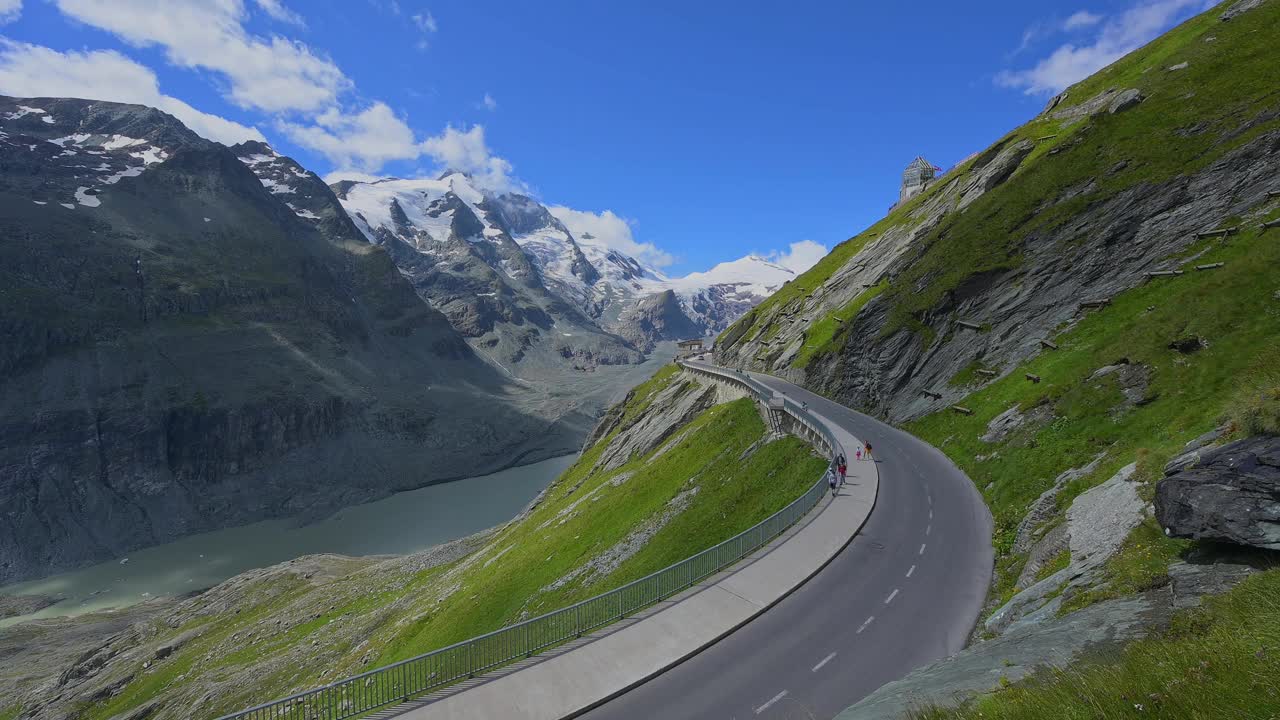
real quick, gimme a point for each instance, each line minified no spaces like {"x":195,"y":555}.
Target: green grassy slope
{"x":1229,"y":94}
{"x":1232,"y":308}
{"x":1219,"y":661}
{"x":1226,"y":96}
{"x":403,"y":612}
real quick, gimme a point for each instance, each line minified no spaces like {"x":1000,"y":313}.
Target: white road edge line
{"x":825,"y":660}
{"x":922,"y":547}
{"x":864,"y":625}
{"x":913,"y":569}
{"x":769,"y":704}
{"x":892,"y":595}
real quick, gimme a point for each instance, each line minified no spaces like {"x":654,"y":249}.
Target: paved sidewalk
{"x":621,"y":656}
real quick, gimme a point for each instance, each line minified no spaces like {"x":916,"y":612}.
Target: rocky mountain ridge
{"x":186,"y":351}
{"x":515,"y":279}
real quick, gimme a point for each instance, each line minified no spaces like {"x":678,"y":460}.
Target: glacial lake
{"x":402,"y":523}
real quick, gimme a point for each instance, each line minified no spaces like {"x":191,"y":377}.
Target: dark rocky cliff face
{"x":656,"y":318}
{"x":186,"y":349}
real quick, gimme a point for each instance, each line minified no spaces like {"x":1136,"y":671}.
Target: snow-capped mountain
{"x":527,"y":308}
{"x":532,"y":260}
{"x":80,"y":150}
{"x":715,"y":298}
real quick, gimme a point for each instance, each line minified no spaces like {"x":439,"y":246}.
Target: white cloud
{"x":488,"y":103}
{"x":10,"y":10}
{"x":277,"y":11}
{"x":273,"y":75}
{"x":1115,"y":38}
{"x":800,"y":256}
{"x":613,"y":232}
{"x":356,"y":175}
{"x":467,"y":151}
{"x":426,"y":22}
{"x":1081,"y":19}
{"x":36,"y":71}
{"x":301,"y":90}
{"x":364,"y":141}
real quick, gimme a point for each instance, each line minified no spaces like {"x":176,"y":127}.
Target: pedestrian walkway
{"x":616,"y":658}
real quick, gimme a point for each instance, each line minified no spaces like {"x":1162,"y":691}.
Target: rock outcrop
{"x":656,"y":318}
{"x":1232,"y":494}
{"x":1096,"y":526}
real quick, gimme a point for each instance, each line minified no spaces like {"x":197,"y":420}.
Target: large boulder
{"x":1232,"y":495}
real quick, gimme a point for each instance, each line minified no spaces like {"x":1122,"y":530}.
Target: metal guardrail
{"x":417,"y":676}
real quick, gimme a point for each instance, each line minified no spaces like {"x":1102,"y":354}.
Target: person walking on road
{"x":831,"y":480}
{"x":842,"y":468}
{"x":867,"y":454}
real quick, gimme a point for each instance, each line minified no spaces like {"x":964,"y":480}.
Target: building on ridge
{"x":916,"y":178}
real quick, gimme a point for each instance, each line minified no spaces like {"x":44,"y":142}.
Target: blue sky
{"x":686,"y":133}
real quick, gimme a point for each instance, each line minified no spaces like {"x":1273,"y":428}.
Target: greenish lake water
{"x":398,"y":524}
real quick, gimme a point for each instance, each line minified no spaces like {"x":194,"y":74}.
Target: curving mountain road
{"x":905,"y":592}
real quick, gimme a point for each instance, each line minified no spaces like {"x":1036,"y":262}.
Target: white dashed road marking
{"x":825,"y":660}
{"x":913,"y":569}
{"x":930,"y":513}
{"x":922,"y":547}
{"x":769,"y":704}
{"x":928,"y":529}
{"x":892,"y":595}
{"x":864,"y":624}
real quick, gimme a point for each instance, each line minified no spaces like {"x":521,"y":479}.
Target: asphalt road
{"x":905,"y":592}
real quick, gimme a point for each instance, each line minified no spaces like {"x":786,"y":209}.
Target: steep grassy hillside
{"x":1074,"y":416}
{"x":1008,"y":316}
{"x":1075,"y":206}
{"x":1219,"y":661}
{"x":674,"y":473}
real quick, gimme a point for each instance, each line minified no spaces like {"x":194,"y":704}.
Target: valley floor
{"x":665,"y":480}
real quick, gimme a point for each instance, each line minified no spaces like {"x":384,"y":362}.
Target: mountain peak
{"x":252,"y":147}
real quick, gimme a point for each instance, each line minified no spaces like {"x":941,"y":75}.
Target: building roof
{"x":920,"y":162}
